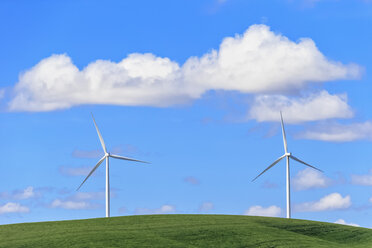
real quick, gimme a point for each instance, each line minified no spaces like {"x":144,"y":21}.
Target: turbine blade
{"x":298,"y":160}
{"x":99,"y":135}
{"x":275,"y":162}
{"x":128,"y":159}
{"x":283,"y":132}
{"x":91,"y":172}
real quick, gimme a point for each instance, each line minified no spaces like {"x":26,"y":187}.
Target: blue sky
{"x":194,"y":87}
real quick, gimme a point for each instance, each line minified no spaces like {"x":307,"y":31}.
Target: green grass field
{"x":184,"y":231}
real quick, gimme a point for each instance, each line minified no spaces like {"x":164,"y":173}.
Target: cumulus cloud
{"x":295,"y":110}
{"x":206,"y":206}
{"x":75,"y":171}
{"x":362,"y":179}
{"x":332,"y":201}
{"x":272,"y":211}
{"x":336,"y":132}
{"x":165,"y":209}
{"x":309,"y":178}
{"x":343,"y":222}
{"x":12,"y":207}
{"x":259,"y":61}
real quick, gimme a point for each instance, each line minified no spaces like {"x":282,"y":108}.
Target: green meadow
{"x":184,"y":231}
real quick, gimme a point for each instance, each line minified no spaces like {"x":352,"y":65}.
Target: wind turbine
{"x":106,"y":156}
{"x":286,"y":155}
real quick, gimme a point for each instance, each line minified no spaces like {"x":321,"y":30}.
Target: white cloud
{"x":165,"y":209}
{"x":90,"y":196}
{"x":12,"y":207}
{"x":310,"y":178}
{"x":362,"y":179}
{"x":370,"y":200}
{"x":272,"y":211}
{"x":259,"y":61}
{"x":79,"y":200}
{"x":69,"y":204}
{"x":329,"y":202}
{"x":87,"y":154}
{"x":339,"y":133}
{"x":295,"y":110}
{"x":26,"y":193}
{"x":206,"y":206}
{"x":343,"y":222}
{"x":75,"y":171}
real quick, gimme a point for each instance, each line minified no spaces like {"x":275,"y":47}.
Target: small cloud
{"x":297,"y":110}
{"x":79,"y":200}
{"x":26,"y":193}
{"x":332,"y":201}
{"x":69,"y":204}
{"x":269,"y":185}
{"x":87,"y":154}
{"x":336,"y":132}
{"x":370,"y":200}
{"x":343,"y":222}
{"x":309,"y":178}
{"x":12,"y":207}
{"x":191,"y":180}
{"x":89,"y":196}
{"x":206,"y":206}
{"x":272,"y":211}
{"x":365,"y":180}
{"x":165,"y":209}
{"x":75,"y":171}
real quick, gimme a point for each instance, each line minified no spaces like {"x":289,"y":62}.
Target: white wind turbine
{"x":286,"y":155}
{"x":106,"y":156}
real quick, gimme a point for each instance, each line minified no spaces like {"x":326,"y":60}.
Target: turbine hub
{"x":107,"y":154}
{"x":288,"y":154}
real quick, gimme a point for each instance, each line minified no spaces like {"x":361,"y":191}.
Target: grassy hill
{"x":184,"y":231}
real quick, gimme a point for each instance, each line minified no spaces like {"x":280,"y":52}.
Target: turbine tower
{"x":106,"y":156}
{"x":286,"y":155}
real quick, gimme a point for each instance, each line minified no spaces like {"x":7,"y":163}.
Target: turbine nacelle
{"x":287,"y":154}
